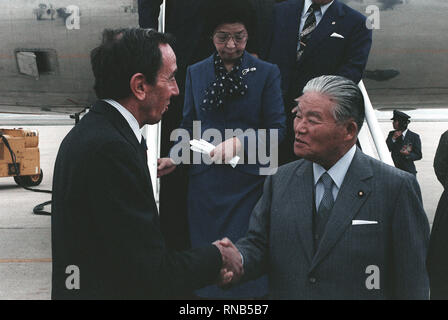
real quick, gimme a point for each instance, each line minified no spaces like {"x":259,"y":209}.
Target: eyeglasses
{"x":224,"y":37}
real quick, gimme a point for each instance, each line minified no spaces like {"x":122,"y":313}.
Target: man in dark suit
{"x":404,"y":144}
{"x":337,"y":224}
{"x":438,"y":245}
{"x":185,"y":19}
{"x":106,"y":239}
{"x":313,"y":38}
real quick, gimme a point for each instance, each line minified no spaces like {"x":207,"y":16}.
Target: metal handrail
{"x":374,"y":127}
{"x":153,"y":133}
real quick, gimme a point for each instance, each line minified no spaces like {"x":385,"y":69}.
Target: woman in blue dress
{"x":230,"y":90}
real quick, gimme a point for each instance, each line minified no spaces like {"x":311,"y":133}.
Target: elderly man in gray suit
{"x":336,"y":224}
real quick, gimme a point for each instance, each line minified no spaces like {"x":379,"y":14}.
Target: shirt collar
{"x":404,"y":133}
{"x":338,"y":171}
{"x":323,"y":8}
{"x":128,"y":117}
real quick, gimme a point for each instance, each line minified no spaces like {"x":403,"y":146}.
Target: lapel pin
{"x":361,"y":194}
{"x":246,"y":71}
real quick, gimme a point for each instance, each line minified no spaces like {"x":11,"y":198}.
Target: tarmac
{"x":25,"y":238}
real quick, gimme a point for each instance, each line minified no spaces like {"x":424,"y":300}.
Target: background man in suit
{"x":105,"y":220}
{"x":312,"y":38}
{"x":438,"y":245}
{"x":185,"y":19}
{"x":337,"y":224}
{"x":404,"y":144}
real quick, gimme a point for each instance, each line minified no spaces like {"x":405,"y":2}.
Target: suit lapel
{"x":302,"y":211}
{"x":209,"y":72}
{"x":201,"y":79}
{"x":347,"y":205}
{"x":324,"y":29}
{"x":296,"y":12}
{"x":407,"y":138}
{"x":246,"y":62}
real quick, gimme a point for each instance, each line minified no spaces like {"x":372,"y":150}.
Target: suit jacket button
{"x":312,"y":280}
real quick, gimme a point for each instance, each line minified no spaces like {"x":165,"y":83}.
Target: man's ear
{"x":138,"y":85}
{"x":351,"y":130}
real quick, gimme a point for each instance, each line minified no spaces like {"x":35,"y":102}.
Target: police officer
{"x":404,"y":144}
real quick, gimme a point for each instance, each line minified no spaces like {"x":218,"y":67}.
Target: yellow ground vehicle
{"x":20,"y":156}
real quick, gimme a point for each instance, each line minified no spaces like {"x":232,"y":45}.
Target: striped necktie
{"x":308,"y":28}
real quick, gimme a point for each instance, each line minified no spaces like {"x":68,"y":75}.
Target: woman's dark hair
{"x":218,"y":12}
{"x":123,"y":53}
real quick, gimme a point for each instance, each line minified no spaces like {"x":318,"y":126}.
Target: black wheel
{"x":30,"y":181}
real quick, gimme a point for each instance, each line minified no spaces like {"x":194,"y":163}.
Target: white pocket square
{"x":360,"y":222}
{"x":337,"y":35}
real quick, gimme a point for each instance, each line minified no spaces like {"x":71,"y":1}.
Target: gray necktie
{"x":327,"y":200}
{"x":325,"y":206}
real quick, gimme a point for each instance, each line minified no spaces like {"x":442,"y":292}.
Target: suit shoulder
{"x":284,"y":5}
{"x":262,"y":65}
{"x":443,"y":140}
{"x":390,"y":173}
{"x":200,"y":65}
{"x":288,"y":169}
{"x":91,"y":134}
{"x":352,"y":13}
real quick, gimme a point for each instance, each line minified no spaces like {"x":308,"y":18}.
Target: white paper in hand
{"x":205,"y":147}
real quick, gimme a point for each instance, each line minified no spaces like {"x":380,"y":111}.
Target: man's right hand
{"x":232,"y":265}
{"x":397,"y":134}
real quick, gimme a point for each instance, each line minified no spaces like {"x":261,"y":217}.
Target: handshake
{"x":232,"y":264}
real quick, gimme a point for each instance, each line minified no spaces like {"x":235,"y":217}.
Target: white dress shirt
{"x":337,"y":172}
{"x":317,"y":14}
{"x":128,"y":116}
{"x":403,"y":135}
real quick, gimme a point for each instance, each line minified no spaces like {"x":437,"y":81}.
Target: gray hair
{"x":348,"y":99}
